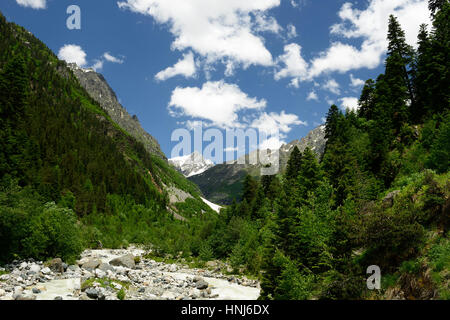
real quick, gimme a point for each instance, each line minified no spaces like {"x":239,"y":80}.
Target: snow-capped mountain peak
{"x":192,"y":164}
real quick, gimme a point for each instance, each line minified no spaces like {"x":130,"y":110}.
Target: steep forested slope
{"x":98,"y":88}
{"x":58,"y":145}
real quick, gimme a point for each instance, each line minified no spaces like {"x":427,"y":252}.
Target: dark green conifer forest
{"x":380,"y":194}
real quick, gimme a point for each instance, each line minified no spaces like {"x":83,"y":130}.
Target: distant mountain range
{"x":223,"y":182}
{"x":219,"y":183}
{"x":192,"y":164}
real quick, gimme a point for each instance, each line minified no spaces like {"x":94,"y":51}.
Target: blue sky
{"x":274,"y":65}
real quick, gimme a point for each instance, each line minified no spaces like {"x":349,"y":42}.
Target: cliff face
{"x":97,"y":87}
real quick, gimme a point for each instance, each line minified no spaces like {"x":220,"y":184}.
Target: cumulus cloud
{"x":35,"y":4}
{"x":293,"y":64}
{"x":356,"y":82}
{"x":98,"y":65}
{"x":221,"y":105}
{"x":217,"y":102}
{"x":312,"y":96}
{"x":271,"y":123}
{"x":216,"y":30}
{"x":112,"y":59}
{"x":275,"y":126}
{"x":370,"y":26}
{"x":332,"y":86}
{"x":265,"y":23}
{"x":185,"y":67}
{"x":349,"y":103}
{"x":291,"y":31}
{"x":72,"y":53}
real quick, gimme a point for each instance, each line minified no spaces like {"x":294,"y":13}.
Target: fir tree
{"x":439,"y":71}
{"x":367,"y":100}
{"x":421,"y":77}
{"x":250,"y":189}
{"x":331,"y":124}
{"x":309,"y":176}
{"x":397,"y":76}
{"x":293,"y":164}
{"x":435,"y":5}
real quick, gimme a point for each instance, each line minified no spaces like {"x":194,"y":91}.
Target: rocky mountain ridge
{"x":192,"y":164}
{"x":99,"y":90}
{"x":223,"y":182}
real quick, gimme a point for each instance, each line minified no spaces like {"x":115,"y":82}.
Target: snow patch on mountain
{"x":213,"y":206}
{"x":192,"y":164}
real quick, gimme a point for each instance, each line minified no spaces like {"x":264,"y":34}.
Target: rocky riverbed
{"x":119,"y":274}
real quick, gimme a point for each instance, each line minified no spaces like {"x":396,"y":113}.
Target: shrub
{"x":292,"y":284}
{"x":121,"y":294}
{"x":391,"y":236}
{"x":31,"y":229}
{"x":440,"y":149}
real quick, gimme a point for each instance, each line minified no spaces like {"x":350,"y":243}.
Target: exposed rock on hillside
{"x":192,"y":164}
{"x":97,"y":87}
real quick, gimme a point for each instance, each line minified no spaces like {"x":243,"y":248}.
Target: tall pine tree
{"x":397,"y":76}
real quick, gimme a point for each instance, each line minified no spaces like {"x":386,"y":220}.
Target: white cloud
{"x":73,"y":54}
{"x":273,"y":122}
{"x":369,"y":25}
{"x":342,"y":57}
{"x":332,"y":86}
{"x":356,"y":82}
{"x":217,"y":102}
{"x":275,"y":126}
{"x":291,"y":31}
{"x":98,"y":65}
{"x":216,"y":30}
{"x":35,"y":4}
{"x":295,"y":83}
{"x":112,"y":59}
{"x":349,"y":103}
{"x":265,"y":23}
{"x":298,"y":3}
{"x":294,"y":65}
{"x":220,"y":104}
{"x":312,"y":96}
{"x":185,"y":67}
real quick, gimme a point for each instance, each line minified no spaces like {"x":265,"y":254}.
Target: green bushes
{"x":30,"y":228}
{"x":391,"y":236}
{"x":439,"y":260}
{"x":292,"y":284}
{"x":440,"y":149}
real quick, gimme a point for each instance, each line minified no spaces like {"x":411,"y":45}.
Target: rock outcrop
{"x":192,"y":164}
{"x":99,"y":90}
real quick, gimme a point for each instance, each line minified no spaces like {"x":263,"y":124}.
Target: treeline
{"x":379,"y":195}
